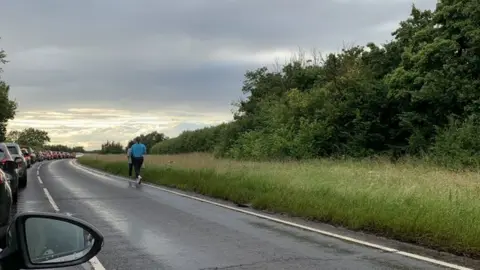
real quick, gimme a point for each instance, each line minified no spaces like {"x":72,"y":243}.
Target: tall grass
{"x":420,"y":204}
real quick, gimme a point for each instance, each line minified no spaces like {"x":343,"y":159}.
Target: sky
{"x":95,"y":70}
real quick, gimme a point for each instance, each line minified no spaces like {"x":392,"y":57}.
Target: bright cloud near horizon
{"x":90,"y":71}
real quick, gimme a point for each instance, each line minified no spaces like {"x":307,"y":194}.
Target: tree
{"x":64,"y":148}
{"x":149,"y":139}
{"x":112,"y":148}
{"x":13,"y":136}
{"x":78,"y":149}
{"x":8,"y":107}
{"x":417,"y":94}
{"x":33,"y":137}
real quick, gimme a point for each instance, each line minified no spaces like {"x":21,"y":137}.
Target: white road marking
{"x":284,"y":222}
{"x":94,"y":262}
{"x":38,"y":174}
{"x":50,"y":199}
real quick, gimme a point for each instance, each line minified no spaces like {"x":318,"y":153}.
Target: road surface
{"x":147,"y":228}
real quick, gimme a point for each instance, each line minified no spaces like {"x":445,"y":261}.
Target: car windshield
{"x":13,"y":150}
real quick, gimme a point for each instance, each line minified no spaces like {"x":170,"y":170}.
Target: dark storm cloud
{"x":152,"y":54}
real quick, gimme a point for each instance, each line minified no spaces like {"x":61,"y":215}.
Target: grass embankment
{"x":413,"y":203}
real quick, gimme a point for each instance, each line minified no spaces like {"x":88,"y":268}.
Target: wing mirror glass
{"x":52,"y":240}
{"x":46,"y":240}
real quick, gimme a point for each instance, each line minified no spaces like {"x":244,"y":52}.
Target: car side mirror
{"x":10,"y":165}
{"x":38,"y":240}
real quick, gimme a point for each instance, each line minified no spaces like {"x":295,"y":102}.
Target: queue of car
{"x":15,"y":159}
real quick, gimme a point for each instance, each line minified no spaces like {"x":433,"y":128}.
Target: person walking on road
{"x":138,"y":150}
{"x":130,"y":164}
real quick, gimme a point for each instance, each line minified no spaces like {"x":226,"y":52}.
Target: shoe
{"x":139,"y":179}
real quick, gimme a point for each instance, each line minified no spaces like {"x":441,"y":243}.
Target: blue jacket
{"x":138,"y":150}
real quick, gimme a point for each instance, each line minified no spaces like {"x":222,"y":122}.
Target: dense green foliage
{"x":64,"y":148}
{"x":418,"y":94}
{"x":149,"y":140}
{"x":8,"y":107}
{"x":38,"y":139}
{"x":30,"y":136}
{"x":111,"y":147}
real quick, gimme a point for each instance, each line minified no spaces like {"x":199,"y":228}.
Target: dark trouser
{"x":130,"y":168}
{"x":137,"y":165}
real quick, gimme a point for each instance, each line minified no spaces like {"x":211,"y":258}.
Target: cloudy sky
{"x":91,"y":70}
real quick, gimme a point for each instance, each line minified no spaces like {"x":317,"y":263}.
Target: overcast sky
{"x":92,"y":70}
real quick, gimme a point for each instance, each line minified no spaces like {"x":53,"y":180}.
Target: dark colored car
{"x":10,"y":168}
{"x":6,"y":202}
{"x":18,"y":157}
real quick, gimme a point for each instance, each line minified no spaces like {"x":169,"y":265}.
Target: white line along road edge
{"x":94,"y":262}
{"x":281,"y":221}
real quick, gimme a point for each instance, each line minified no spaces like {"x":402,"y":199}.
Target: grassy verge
{"x":412,"y":203}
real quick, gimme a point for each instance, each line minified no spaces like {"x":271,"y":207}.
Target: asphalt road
{"x":146,"y":228}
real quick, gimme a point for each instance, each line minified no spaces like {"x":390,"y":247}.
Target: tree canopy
{"x":111,"y":147}
{"x":64,"y":148}
{"x":417,"y":94}
{"x":30,"y":136}
{"x":8,"y":106}
{"x":149,"y":139}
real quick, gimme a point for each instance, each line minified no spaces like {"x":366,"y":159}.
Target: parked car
{"x":42,"y":155}
{"x":31,"y":153}
{"x":16,"y":153}
{"x":27,"y":157}
{"x":6,"y":202}
{"x":39,"y":156}
{"x":10,"y":168}
{"x":46,"y":155}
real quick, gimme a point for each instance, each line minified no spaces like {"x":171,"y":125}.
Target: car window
{"x":13,"y":150}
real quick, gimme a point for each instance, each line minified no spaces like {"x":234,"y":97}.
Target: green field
{"x":420,"y":204}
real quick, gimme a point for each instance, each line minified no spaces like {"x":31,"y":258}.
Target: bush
{"x":112,"y":148}
{"x":393,"y":99}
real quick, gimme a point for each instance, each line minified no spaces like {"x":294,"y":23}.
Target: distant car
{"x":43,"y":155}
{"x":39,"y":156}
{"x":47,"y":155}
{"x":27,"y":157}
{"x":10,"y":168}
{"x":31,"y":154}
{"x":17,"y":155}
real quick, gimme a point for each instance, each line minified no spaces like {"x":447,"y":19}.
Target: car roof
{"x":4,"y":149}
{"x":11,"y":144}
